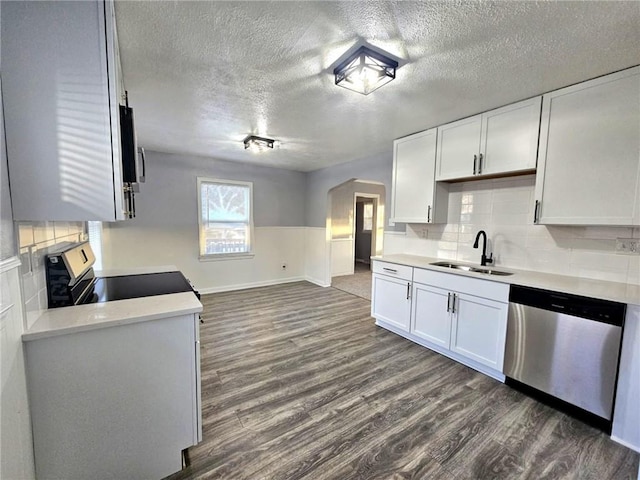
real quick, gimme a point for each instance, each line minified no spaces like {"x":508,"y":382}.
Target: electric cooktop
{"x":124,"y":287}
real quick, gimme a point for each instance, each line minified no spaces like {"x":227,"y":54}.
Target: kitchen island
{"x":114,"y":387}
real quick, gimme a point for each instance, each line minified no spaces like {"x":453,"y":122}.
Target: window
{"x":367,"y":216}
{"x":94,"y":230}
{"x":225,"y":217}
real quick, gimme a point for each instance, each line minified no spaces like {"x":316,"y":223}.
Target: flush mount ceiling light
{"x":365,"y":71}
{"x":258,"y":144}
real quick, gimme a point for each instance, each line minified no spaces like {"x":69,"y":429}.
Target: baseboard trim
{"x":245,"y":286}
{"x":488,"y":371}
{"x":315,"y":281}
{"x":631,"y":446}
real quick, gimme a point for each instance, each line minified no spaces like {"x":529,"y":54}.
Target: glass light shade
{"x":365,"y":71}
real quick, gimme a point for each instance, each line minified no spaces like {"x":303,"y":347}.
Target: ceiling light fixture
{"x":365,"y":71}
{"x":258,"y":144}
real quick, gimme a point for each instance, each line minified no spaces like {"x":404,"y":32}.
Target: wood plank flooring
{"x":298,"y":382}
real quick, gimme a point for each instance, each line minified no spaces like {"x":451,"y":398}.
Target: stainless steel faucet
{"x":484,"y":259}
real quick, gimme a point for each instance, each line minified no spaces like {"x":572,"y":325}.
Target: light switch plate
{"x":628,"y":246}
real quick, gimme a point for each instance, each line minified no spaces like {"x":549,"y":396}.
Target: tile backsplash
{"x":504,"y":209}
{"x":37,"y":239}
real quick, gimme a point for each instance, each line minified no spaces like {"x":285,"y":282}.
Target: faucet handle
{"x":489,"y":259}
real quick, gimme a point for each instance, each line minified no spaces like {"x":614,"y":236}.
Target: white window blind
{"x":94,"y":230}
{"x":225,"y":217}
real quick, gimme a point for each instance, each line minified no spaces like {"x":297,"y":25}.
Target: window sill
{"x":217,"y":257}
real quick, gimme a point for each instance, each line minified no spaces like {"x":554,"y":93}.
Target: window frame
{"x":201,"y":237}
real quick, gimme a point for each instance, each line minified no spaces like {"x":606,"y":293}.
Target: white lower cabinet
{"x":479,"y":329}
{"x":430,"y":316}
{"x":461,"y":317}
{"x":391,"y":300}
{"x":117,"y":402}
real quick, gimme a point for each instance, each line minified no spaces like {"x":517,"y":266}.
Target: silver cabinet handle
{"x":408,"y":289}
{"x":453,"y":306}
{"x":449,"y":302}
{"x":142,"y":178}
{"x":480,"y":164}
{"x":429,"y":214}
{"x":389,"y":270}
{"x":475,"y":159}
{"x":535,"y":211}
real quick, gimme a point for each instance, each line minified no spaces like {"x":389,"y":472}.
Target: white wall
{"x":342,"y":257}
{"x":316,"y":256}
{"x":165,"y":230}
{"x":16,"y":444}
{"x":273,"y":247}
{"x":504,"y":209}
{"x":319,"y":182}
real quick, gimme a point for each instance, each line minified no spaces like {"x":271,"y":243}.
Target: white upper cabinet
{"x":416,"y":198}
{"x":60,"y":84}
{"x":509,"y":140}
{"x":497,"y":142}
{"x":589,"y":166}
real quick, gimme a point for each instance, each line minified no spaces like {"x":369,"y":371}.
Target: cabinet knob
{"x":408,"y":289}
{"x":448,"y":301}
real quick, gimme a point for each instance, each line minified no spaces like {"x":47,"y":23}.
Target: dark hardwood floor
{"x":298,"y":382}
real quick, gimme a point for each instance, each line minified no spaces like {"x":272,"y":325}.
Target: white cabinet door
{"x":509,"y":141}
{"x":391,"y":300}
{"x":121,"y":400}
{"x":479,"y":329}
{"x":430,"y":316}
{"x":61,"y":110}
{"x":414,"y":188}
{"x":458,"y":148}
{"x":626,"y":416}
{"x":589,"y":162}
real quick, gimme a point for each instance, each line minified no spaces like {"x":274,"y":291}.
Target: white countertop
{"x":617,"y":292}
{"x":80,"y":318}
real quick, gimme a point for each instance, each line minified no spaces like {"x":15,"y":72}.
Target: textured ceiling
{"x":203,"y":75}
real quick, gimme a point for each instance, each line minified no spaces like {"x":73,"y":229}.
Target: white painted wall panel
{"x":273,"y":247}
{"x":342,"y":257}
{"x":16,"y":445}
{"x":316,"y":256}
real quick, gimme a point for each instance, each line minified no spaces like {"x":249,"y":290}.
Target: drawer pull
{"x":449,"y":302}
{"x":453,"y":306}
{"x":408,"y":289}
{"x":389,"y":270}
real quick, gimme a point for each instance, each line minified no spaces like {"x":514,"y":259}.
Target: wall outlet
{"x":628,"y":246}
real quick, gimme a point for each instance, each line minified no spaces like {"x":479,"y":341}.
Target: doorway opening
{"x":355,"y":227}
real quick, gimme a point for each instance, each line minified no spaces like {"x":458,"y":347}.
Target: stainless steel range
{"x":72,"y":281}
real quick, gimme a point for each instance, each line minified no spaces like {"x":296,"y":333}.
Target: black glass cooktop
{"x":107,"y":289}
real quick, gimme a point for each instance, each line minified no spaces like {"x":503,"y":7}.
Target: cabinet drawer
{"x":393,"y":270}
{"x":459,"y":283}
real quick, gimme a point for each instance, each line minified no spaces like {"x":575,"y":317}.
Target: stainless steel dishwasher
{"x":563,"y":349}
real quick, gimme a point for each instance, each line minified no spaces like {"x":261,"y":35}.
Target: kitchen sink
{"x":467,"y":268}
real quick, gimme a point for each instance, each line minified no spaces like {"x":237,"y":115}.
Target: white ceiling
{"x":203,"y":75}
